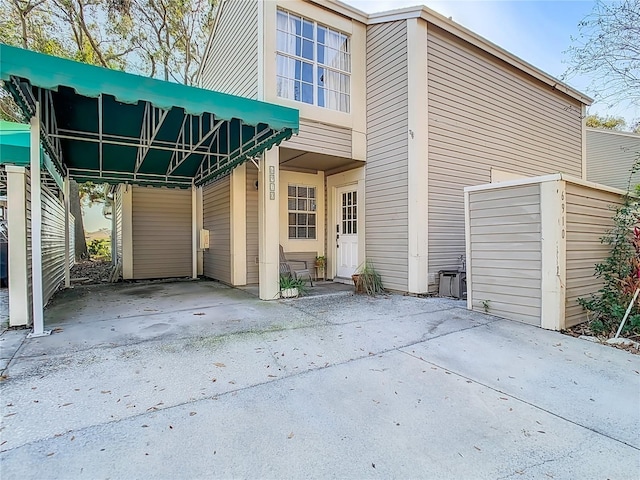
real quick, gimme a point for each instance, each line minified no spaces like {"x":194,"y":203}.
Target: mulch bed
{"x":583,"y":330}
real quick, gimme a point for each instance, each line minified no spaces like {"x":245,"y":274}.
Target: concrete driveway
{"x":197,"y":380}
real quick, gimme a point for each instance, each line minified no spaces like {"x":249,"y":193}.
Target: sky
{"x":536,"y":31}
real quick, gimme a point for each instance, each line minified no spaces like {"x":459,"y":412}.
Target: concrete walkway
{"x":197,"y":380}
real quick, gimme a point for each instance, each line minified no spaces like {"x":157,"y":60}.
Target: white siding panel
{"x":231,"y":64}
{"x":321,"y":138}
{"x":386,"y":186}
{"x":483,"y":114}
{"x":610,"y":157}
{"x":589,"y":216}
{"x":29,"y":245}
{"x":161,"y":223}
{"x":252,"y":225}
{"x":53,"y":244}
{"x":216,"y":208}
{"x":118,"y":214}
{"x":505,"y":262}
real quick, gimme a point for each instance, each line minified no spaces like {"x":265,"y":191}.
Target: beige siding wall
{"x":216,"y":210}
{"x":231,"y":64}
{"x":53,"y":244}
{"x":610,"y":157}
{"x":161,"y":222}
{"x":386,"y":185}
{"x":252,"y":225}
{"x":483,"y":114}
{"x":589,"y":216}
{"x":505,"y":252}
{"x":321,"y":138}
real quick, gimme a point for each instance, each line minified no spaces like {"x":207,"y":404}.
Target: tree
{"x":170,"y":35}
{"x":158,"y":38}
{"x":607,"y":122}
{"x":607,"y":49}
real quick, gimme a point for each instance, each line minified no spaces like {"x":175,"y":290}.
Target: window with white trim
{"x":301,"y":204}
{"x":313,"y":63}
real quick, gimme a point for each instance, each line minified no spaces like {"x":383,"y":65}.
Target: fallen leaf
{"x":144,"y":425}
{"x":73,"y":438}
{"x":373,"y":465}
{"x":290,"y":436}
{"x":171,"y":427}
{"x":218,"y":364}
{"x":503,"y":398}
{"x":214,"y":380}
{"x":56,"y":330}
{"x":191,"y":414}
{"x":105,"y":391}
{"x":272,"y":376}
{"x":49,"y":454}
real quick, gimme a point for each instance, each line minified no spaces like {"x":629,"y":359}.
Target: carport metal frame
{"x":23,"y":72}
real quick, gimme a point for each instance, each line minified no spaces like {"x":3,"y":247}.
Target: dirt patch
{"x":91,"y":272}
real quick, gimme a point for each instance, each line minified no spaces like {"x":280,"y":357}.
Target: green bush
{"x":620,"y":273}
{"x":99,"y":249}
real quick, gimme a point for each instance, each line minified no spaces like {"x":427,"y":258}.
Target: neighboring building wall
{"x":253,"y":269}
{"x":321,"y":138}
{"x":19,"y":236}
{"x":504,"y":264}
{"x":161,"y":224}
{"x":484,"y":114}
{"x":216,"y":209}
{"x":53,"y":244}
{"x":610,"y":157}
{"x":589,"y":216}
{"x":231,"y":64}
{"x":386,"y":181}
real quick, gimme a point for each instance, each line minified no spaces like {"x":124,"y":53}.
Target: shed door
{"x":347,"y":232}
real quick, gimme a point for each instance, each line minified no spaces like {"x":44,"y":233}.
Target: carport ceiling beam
{"x":187,"y":149}
{"x":151,"y":122}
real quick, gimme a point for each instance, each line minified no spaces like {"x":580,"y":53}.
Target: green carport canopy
{"x":112,"y":126}
{"x":15,"y":150}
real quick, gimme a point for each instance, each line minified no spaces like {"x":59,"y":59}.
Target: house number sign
{"x":272,"y":182}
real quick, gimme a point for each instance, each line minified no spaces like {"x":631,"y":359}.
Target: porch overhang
{"x":115,"y":127}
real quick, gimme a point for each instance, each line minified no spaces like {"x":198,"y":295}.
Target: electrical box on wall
{"x":204,"y":239}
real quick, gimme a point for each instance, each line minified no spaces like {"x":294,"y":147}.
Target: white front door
{"x":347,"y":231}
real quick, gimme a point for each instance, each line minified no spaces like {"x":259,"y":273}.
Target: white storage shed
{"x":532,"y":245}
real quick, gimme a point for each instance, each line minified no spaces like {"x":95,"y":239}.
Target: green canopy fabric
{"x":115,"y":126}
{"x":15,"y":149}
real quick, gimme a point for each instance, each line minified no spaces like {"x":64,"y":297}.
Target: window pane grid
{"x":301,"y":203}
{"x":313,"y":63}
{"x":349,"y":213}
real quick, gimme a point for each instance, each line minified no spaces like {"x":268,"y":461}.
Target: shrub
{"x":100,"y":249}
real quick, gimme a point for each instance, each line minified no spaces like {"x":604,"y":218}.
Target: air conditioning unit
{"x":453,"y":283}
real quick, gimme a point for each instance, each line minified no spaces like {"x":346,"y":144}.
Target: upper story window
{"x":313,"y":63}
